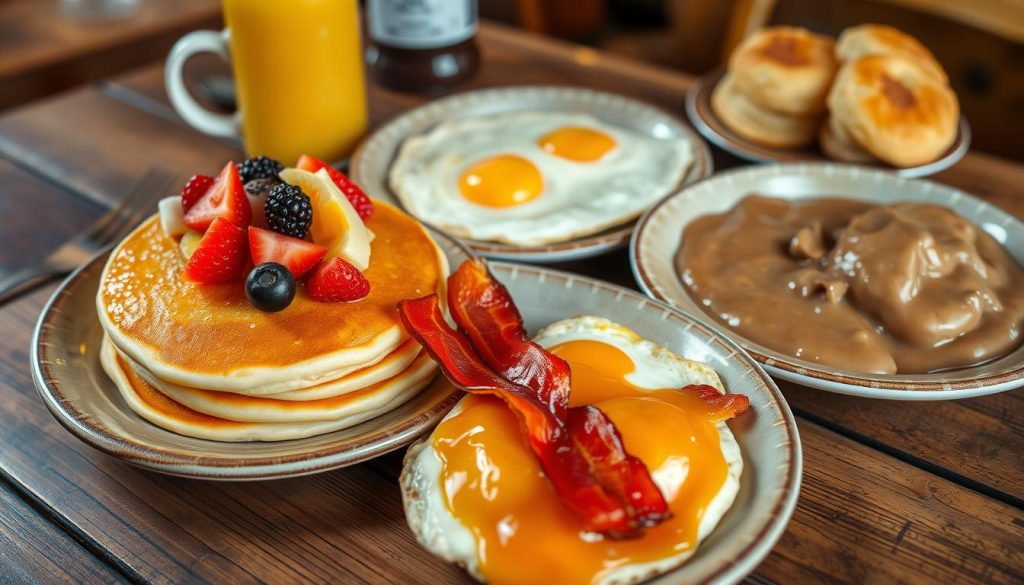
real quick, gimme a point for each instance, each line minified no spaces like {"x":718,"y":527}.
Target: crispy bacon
{"x":565,"y":465}
{"x":720,"y":406}
{"x":485,"y":312}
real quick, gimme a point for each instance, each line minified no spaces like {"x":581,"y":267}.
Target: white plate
{"x":657,"y":237}
{"x":372,"y":161}
{"x":704,"y":119}
{"x":766,"y":433}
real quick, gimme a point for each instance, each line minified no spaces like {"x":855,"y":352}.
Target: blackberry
{"x":260,"y":167}
{"x":288,"y":211}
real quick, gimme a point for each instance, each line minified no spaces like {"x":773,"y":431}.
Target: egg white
{"x":657,"y":367}
{"x":578,"y":198}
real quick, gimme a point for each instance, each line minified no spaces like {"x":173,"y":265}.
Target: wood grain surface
{"x":892,"y":492}
{"x":41,"y":51}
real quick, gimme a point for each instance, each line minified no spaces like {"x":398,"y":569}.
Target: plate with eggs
{"x":875,"y":96}
{"x":534,"y":173}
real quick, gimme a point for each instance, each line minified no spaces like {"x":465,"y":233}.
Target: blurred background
{"x":50,"y":45}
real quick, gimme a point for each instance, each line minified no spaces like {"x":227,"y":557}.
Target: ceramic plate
{"x":372,"y":162}
{"x":704,"y":119}
{"x":68,"y":375}
{"x":767,"y":433}
{"x":658,"y":234}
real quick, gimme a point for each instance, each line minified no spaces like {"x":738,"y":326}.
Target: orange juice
{"x":299,"y":72}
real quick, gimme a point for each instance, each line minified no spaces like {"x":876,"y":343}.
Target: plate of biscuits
{"x":875,"y":96}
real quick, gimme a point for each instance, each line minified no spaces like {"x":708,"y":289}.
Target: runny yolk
{"x":577,"y":144}
{"x":501,"y":181}
{"x":495,"y":487}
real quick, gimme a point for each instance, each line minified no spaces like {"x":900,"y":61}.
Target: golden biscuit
{"x":836,"y":144}
{"x":750,"y":120}
{"x":878,"y":39}
{"x":895,"y":109}
{"x":785,"y":69}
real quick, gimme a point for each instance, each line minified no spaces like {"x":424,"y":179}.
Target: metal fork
{"x":108,"y":229}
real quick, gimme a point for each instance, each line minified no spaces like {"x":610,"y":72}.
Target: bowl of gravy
{"x":845,"y":278}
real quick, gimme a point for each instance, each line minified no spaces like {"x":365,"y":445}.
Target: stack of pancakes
{"x":199,"y":360}
{"x":774,"y":92}
{"x":885,"y":95}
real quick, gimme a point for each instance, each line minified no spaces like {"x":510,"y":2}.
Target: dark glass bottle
{"x":422,"y":46}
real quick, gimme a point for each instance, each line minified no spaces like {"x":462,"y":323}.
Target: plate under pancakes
{"x":209,"y":336}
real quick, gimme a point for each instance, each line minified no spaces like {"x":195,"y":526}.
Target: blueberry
{"x":270,"y":287}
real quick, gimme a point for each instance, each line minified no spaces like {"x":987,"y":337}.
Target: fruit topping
{"x":172,"y":217}
{"x":335,"y":222}
{"x":270,"y":287}
{"x":189,"y":242}
{"x":298,"y":256}
{"x":224,"y":199}
{"x":221,"y":255}
{"x":194,"y":188}
{"x":337,"y":280}
{"x":261,"y":187}
{"x":288,"y":211}
{"x":259,"y":167}
{"x":360,"y":202}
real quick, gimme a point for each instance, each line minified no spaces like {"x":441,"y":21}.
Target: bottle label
{"x":421,"y":24}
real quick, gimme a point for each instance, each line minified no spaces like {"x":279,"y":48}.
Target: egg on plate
{"x":476,"y":496}
{"x":534,"y":178}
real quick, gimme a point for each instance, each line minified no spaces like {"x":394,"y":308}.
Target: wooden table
{"x":892,"y":492}
{"x":41,"y":51}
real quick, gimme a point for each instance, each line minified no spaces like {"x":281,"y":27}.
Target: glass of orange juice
{"x":298,"y":71}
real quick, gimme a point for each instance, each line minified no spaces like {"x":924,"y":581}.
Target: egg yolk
{"x":577,"y":144}
{"x":494,"y":486}
{"x":501,"y":181}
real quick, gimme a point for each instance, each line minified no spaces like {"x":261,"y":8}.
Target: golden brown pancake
{"x":209,"y":336}
{"x":159,"y":409}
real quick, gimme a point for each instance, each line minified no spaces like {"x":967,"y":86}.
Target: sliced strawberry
{"x":362,"y":204}
{"x":194,"y":188}
{"x":221,"y":255}
{"x":225,"y":199}
{"x":337,"y":280}
{"x":298,"y":256}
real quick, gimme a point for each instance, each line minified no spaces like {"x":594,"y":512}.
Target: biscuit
{"x":753,"y":122}
{"x":878,"y":39}
{"x":895,"y":109}
{"x":837,"y":145}
{"x":785,"y":69}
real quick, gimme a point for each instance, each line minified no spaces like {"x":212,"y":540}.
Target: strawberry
{"x":355,"y":195}
{"x":221,"y":255}
{"x":225,"y":198}
{"x":298,"y":256}
{"x":194,"y":188}
{"x":337,"y":280}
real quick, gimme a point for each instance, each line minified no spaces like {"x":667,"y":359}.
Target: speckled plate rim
{"x":784,"y":488}
{"x":184,"y":464}
{"x":703,"y":118}
{"x":941,"y":386}
{"x":380,"y":148}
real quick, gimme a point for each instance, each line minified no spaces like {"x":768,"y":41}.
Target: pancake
{"x":239,"y":407}
{"x":785,"y":69}
{"x":209,"y":336}
{"x":164,"y":412}
{"x":430,"y":504}
{"x":895,"y":109}
{"x":758,"y":124}
{"x":877,"y":39}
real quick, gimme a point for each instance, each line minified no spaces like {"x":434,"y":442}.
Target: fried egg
{"x":533,"y":178}
{"x":476,"y":496}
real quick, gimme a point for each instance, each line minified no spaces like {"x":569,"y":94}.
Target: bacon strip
{"x":720,"y":406}
{"x":565,"y":465}
{"x":487,"y":315}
